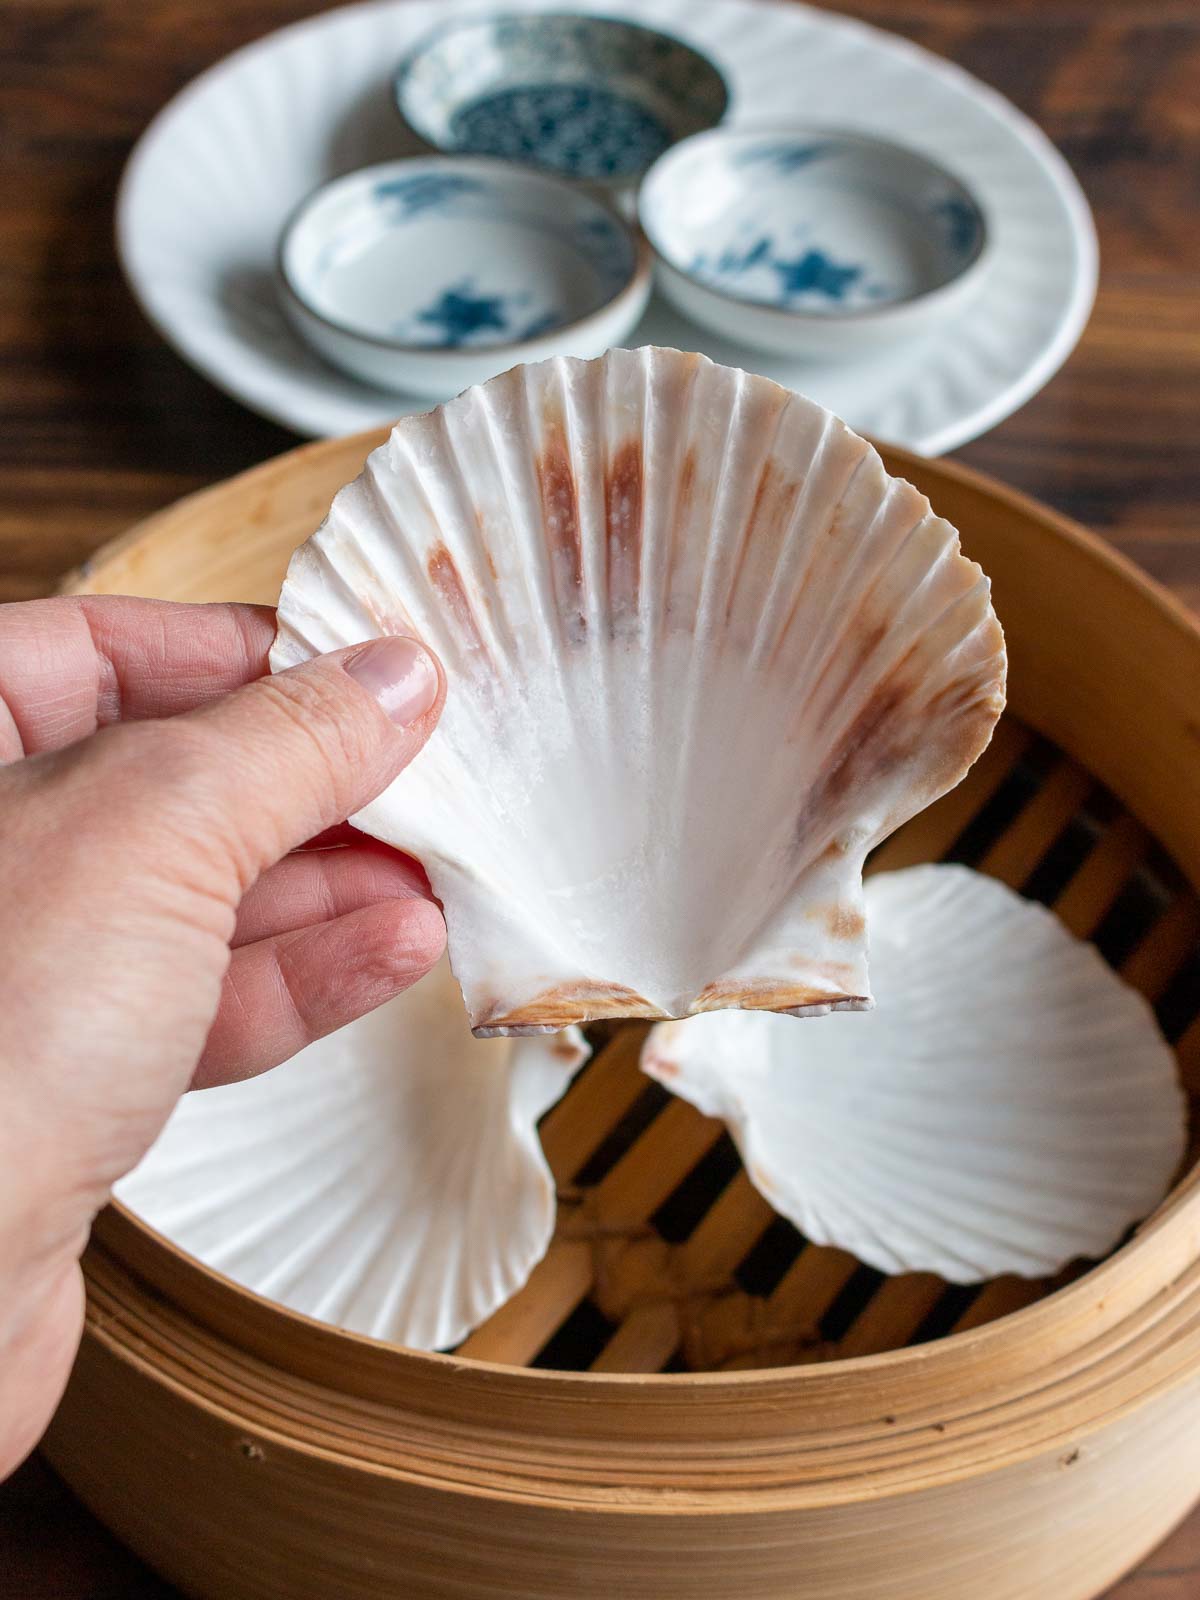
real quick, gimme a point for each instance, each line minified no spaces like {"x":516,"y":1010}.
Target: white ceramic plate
{"x":213,"y":178}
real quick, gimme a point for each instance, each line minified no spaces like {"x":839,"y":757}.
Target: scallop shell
{"x":703,"y":653}
{"x":388,"y":1179}
{"x":1009,"y":1106}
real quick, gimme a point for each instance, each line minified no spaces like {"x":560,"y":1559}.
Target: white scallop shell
{"x":388,"y":1179}
{"x":703,"y":653}
{"x":1010,"y":1104}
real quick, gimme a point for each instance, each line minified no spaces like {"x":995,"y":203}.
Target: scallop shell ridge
{"x":703,"y":653}
{"x":388,"y":1180}
{"x":1010,"y":1106}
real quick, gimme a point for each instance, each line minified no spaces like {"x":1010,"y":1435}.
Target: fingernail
{"x":400,"y":674}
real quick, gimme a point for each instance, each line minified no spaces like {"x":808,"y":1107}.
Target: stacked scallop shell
{"x":1010,"y":1104}
{"x":388,"y":1179}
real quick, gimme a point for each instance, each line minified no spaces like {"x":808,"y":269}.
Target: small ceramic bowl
{"x":593,"y":98}
{"x":811,"y":241}
{"x":429,"y":274}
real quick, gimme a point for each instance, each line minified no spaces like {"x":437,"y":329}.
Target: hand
{"x":160,"y":926}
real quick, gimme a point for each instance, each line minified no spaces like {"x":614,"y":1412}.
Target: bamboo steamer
{"x":686,"y":1398}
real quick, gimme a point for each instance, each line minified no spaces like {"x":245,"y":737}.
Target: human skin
{"x":161,"y":925}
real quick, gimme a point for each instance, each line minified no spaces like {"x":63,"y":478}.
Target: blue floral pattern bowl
{"x":429,"y":274}
{"x":811,"y":241}
{"x":591,"y":98}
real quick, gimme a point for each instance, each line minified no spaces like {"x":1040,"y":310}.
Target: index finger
{"x":77,"y":663}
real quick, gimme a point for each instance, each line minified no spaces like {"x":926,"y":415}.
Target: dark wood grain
{"x":102,"y":423}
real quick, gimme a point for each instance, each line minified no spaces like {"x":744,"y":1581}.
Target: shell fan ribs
{"x":703,"y":654}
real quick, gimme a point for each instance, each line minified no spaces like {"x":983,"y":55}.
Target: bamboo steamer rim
{"x":789,"y":1436}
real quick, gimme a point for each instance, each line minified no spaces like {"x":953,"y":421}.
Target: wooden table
{"x":102,"y":423}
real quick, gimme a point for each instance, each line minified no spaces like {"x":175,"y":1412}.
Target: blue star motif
{"x":961,"y":222}
{"x":815,"y":272}
{"x":459,"y":313}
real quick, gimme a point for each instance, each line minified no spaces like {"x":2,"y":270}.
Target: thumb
{"x":289,"y":755}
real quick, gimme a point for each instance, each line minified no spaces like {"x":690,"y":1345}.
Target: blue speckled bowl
{"x":429,"y":274}
{"x":591,"y":98}
{"x":811,"y":241}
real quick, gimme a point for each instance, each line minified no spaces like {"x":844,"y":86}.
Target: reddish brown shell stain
{"x":686,"y":489}
{"x":845,"y":522}
{"x":444,"y":577}
{"x":870,"y":636}
{"x":675,"y":398}
{"x":842,"y":524}
{"x":776,"y":497}
{"x":863,"y":639}
{"x":585,"y":1001}
{"x":485,"y":544}
{"x":623,"y":515}
{"x":560,"y":515}
{"x":590,"y":1001}
{"x":948,"y":730}
{"x":685,"y":494}
{"x":962,"y":697}
{"x":892,"y":727}
{"x":843,"y":922}
{"x":895,"y":722}
{"x":878,"y":739}
{"x":775,"y":995}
